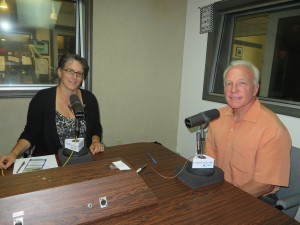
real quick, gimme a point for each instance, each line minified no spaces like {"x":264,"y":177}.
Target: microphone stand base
{"x":199,"y":177}
{"x":84,"y":155}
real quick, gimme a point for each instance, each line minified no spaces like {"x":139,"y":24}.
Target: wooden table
{"x":220,"y":203}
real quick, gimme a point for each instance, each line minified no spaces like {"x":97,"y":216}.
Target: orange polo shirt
{"x":256,"y":148}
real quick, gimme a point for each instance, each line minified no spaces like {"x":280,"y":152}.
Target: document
{"x":24,"y":165}
{"x":41,"y":66}
{"x":26,"y":60}
{"x":121,"y":165}
{"x":13,"y":59}
{"x":2,"y":63}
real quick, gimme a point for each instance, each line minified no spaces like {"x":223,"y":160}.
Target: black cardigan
{"x":40,"y":129}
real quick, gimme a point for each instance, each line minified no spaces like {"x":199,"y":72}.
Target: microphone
{"x":201,"y":171}
{"x":76,"y":106}
{"x":74,"y":151}
{"x":202,"y":118}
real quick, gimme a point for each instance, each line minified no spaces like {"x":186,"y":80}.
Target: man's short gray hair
{"x":248,"y":64}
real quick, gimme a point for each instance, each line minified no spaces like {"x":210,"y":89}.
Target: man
{"x":248,"y":141}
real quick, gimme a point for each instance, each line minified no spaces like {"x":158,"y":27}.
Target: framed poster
{"x":239,"y":52}
{"x":41,"y":46}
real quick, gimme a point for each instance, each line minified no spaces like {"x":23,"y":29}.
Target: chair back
{"x":294,"y":184}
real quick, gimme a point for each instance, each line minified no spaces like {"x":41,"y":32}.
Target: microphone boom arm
{"x":77,"y":128}
{"x":200,"y":136}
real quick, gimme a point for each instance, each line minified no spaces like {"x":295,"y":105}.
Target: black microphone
{"x":76,"y":106}
{"x":202,"y":118}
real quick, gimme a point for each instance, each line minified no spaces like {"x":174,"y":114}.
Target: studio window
{"x":267,"y":33}
{"x":33,"y":35}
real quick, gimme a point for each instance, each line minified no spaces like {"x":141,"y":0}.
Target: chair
{"x":289,"y":197}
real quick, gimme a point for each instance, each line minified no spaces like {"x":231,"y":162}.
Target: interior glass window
{"x":33,"y":35}
{"x":268,"y":35}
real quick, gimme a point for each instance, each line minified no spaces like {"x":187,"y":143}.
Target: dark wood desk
{"x":220,"y":203}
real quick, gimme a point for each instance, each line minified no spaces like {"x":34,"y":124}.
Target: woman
{"x":50,"y":120}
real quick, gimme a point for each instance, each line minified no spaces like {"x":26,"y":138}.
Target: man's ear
{"x":256,"y":89}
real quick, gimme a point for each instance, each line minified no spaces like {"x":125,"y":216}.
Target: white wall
{"x":13,"y":117}
{"x":192,"y":84}
{"x":192,"y":78}
{"x":137,"y":64}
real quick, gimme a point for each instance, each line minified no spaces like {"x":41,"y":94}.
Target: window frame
{"x":84,"y":14}
{"x":214,"y":67}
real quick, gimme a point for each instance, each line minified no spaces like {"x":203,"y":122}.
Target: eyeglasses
{"x":72,"y":72}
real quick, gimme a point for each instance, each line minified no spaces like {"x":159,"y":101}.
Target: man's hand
{"x":257,"y":189}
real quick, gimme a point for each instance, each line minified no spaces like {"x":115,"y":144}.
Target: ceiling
{"x":252,"y":26}
{"x":36,"y":13}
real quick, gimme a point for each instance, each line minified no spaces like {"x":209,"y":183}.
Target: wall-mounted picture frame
{"x":239,"y":52}
{"x":41,"y":46}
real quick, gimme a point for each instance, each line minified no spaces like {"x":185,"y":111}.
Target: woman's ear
{"x":59,"y":72}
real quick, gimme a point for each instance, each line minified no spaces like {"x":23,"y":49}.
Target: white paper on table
{"x":50,"y":163}
{"x":121,"y":165}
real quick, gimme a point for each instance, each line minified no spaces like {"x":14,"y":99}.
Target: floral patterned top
{"x":66,"y":127}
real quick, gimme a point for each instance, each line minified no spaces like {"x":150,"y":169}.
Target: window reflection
{"x":249,"y":38}
{"x":33,"y":34}
{"x":265,"y":32}
{"x":272,"y":42}
{"x":285,"y":77}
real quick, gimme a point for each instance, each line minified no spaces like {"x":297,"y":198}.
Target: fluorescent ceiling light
{"x":5,"y":25}
{"x":3,"y":4}
{"x":53,"y":15}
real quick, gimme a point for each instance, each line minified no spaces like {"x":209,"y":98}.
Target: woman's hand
{"x":7,"y":160}
{"x":96,"y":147}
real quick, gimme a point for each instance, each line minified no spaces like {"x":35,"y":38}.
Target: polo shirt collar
{"x":251,"y":115}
